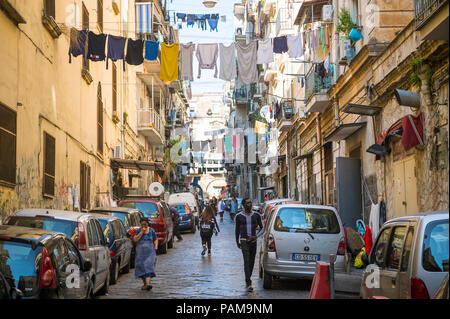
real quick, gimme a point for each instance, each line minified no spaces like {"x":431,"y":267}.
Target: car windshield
{"x":18,"y":263}
{"x":103,"y":223}
{"x":68,"y":227}
{"x":313,"y":220}
{"x":435,"y":247}
{"x":181,"y":208}
{"x":150,"y":210}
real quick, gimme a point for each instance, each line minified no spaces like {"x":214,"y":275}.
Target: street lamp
{"x":209,"y":4}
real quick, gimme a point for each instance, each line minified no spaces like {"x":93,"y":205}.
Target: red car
{"x":157,"y":211}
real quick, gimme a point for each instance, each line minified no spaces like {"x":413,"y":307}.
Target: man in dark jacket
{"x":176,"y":221}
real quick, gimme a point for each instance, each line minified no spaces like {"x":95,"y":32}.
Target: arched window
{"x":99,"y":120}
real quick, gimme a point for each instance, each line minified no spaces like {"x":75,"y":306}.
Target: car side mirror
{"x":87,"y":264}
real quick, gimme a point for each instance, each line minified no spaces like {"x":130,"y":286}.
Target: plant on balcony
{"x":345,"y":24}
{"x":418,"y":66}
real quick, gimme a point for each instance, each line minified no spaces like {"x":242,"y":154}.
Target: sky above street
{"x":207,"y":82}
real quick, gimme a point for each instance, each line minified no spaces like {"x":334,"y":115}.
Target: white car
{"x":186,"y":198}
{"x":297,"y":236}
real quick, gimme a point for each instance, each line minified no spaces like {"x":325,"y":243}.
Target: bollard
{"x":332,"y":260}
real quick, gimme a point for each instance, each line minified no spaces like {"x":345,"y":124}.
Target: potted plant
{"x":344,"y":26}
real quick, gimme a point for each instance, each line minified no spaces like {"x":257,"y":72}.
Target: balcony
{"x":151,"y":125}
{"x":316,"y":89}
{"x":431,"y":18}
{"x":242,"y":94}
{"x":285,"y":114}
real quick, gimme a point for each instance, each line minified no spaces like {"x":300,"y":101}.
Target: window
{"x":60,"y":254}
{"x":100,"y":14}
{"x":49,"y":8}
{"x":114,"y":87}
{"x":379,"y":251}
{"x":85,"y":26}
{"x":99,"y":232}
{"x":116,"y":230}
{"x":435,"y":247}
{"x":396,"y":247}
{"x":85,"y":185}
{"x":150,"y":210}
{"x":49,"y":165}
{"x":94,"y":240}
{"x":73,"y":254}
{"x":99,"y":120}
{"x":407,"y":249}
{"x":306,"y":220}
{"x":8,"y":131}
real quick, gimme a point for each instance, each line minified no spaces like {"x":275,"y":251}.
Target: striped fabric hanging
{"x":144,"y":17}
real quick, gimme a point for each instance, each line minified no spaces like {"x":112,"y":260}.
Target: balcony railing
{"x":315,"y":84}
{"x":150,"y":119}
{"x":424,"y":9}
{"x":286,"y":112}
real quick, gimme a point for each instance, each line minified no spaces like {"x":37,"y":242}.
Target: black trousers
{"x":206,"y":239}
{"x":249,"y":254}
{"x":176,"y":231}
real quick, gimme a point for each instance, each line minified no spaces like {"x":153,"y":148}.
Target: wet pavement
{"x":183,"y":273}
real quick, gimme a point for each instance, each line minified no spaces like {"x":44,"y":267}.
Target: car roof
{"x":434,"y":214}
{"x":24,"y":232}
{"x":278,"y":200}
{"x":114,"y":209}
{"x":60,"y":214}
{"x":141,"y":200}
{"x":305,"y":206}
{"x":106,"y":217}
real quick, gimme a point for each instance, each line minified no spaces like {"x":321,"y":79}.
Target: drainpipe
{"x":336,"y":47}
{"x":319,"y":136}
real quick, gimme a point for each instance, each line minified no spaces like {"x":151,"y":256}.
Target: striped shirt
{"x":246,"y":225}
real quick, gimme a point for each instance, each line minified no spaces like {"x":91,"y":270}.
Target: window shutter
{"x":8,"y":131}
{"x":49,"y":165}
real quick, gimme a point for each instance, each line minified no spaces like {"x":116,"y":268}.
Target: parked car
{"x":268,"y":208}
{"x":295,"y":237}
{"x":187,"y":219}
{"x":83,"y":229}
{"x":38,"y":264}
{"x":119,"y":244}
{"x":160,"y":220}
{"x":131,"y":219}
{"x":411,"y":256}
{"x":442,"y":292}
{"x":187,"y":198}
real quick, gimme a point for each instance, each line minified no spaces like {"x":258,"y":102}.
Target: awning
{"x":139,"y":165}
{"x":343,"y":131}
{"x":361,"y":109}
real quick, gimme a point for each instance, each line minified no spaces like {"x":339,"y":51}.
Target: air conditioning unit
{"x":327,"y":13}
{"x":117,"y":151}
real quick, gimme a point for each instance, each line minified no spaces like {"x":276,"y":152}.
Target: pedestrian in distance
{"x":207,"y":225}
{"x":146,"y":246}
{"x":213,"y":204}
{"x":221,"y":208}
{"x":246,"y":237}
{"x":233,"y":208}
{"x":176,"y":223}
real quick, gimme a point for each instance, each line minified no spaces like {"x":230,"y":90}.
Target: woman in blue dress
{"x":146,"y":246}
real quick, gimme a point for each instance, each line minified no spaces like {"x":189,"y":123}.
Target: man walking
{"x":246,"y":236}
{"x":176,"y":221}
{"x":233,"y":208}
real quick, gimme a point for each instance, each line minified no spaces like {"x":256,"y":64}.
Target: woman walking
{"x":207,"y":225}
{"x":146,"y":246}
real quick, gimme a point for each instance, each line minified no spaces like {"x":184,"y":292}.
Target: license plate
{"x":305,"y":257}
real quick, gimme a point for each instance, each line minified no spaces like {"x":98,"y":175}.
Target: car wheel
{"x":115,"y":272}
{"x":170,"y":243}
{"x":267,"y":280}
{"x":162,"y":249}
{"x":105,"y":287}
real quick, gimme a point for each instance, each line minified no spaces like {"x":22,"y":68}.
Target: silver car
{"x":409,"y":258}
{"x":83,"y":229}
{"x":298,"y":235}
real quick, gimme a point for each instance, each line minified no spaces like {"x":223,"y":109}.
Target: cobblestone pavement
{"x":183,"y":273}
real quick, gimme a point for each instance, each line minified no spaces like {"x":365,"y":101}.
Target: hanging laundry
{"x":412,"y":131}
{"x":236,"y":141}
{"x":213,"y":24}
{"x":260,"y":127}
{"x":246,"y":56}
{"x":78,"y":43}
{"x":96,"y":46}
{"x":295,"y":43}
{"x":265,"y":51}
{"x":186,"y":61}
{"x":227,"y":62}
{"x":313,"y":43}
{"x":169,"y":62}
{"x":322,"y":38}
{"x":135,"y":52}
{"x":228,"y":143}
{"x":280,"y":44}
{"x":116,"y":49}
{"x":181,"y":16}
{"x":207,"y":57}
{"x":223,"y":18}
{"x":190,"y":20}
{"x":326,"y":63}
{"x":327,"y":36}
{"x":151,"y":50}
{"x":201,"y":21}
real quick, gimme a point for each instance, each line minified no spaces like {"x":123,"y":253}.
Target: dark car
{"x":130,"y":217}
{"x":187,"y":219}
{"x":160,"y":220}
{"x":41,"y":264}
{"x":119,"y":244}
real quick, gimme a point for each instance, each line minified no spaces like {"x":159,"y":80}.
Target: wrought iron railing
{"x":316,"y":84}
{"x":424,"y":9}
{"x":148,"y":118}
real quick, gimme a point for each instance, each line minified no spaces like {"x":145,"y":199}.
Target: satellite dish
{"x":155,"y":189}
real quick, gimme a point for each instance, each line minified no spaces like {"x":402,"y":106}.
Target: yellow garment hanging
{"x":169,"y":62}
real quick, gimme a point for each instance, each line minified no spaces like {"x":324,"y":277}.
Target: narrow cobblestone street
{"x":184,"y":274}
